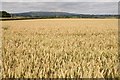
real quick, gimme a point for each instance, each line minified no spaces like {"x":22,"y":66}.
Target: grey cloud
{"x":59,"y":0}
{"x":73,"y":7}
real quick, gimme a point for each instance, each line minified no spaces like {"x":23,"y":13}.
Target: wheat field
{"x":60,"y":48}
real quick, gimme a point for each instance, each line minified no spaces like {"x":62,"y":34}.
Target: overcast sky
{"x":60,"y":0}
{"x":96,"y":7}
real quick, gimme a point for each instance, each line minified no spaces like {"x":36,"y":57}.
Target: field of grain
{"x":60,"y":48}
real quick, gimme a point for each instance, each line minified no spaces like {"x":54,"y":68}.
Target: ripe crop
{"x":60,"y":48}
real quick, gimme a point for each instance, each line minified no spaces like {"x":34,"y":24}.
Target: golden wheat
{"x":60,"y":48}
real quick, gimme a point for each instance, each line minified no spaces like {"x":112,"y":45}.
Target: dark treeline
{"x":4,"y":14}
{"x":46,"y":15}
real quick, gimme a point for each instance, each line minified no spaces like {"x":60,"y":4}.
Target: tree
{"x":4,"y":14}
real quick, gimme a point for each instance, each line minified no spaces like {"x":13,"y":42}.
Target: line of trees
{"x":4,"y":14}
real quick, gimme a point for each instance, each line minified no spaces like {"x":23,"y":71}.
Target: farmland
{"x":60,"y":48}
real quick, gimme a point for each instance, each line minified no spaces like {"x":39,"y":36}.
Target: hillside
{"x":43,"y":15}
{"x":60,"y":15}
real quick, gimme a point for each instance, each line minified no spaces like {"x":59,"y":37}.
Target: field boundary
{"x":9,"y":19}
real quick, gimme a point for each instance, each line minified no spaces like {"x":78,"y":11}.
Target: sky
{"x":71,"y":6}
{"x":60,"y":0}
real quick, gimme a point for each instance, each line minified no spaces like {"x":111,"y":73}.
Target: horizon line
{"x":62,"y":12}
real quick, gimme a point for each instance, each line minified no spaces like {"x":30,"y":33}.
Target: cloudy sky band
{"x":72,"y":7}
{"x":60,"y":0}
